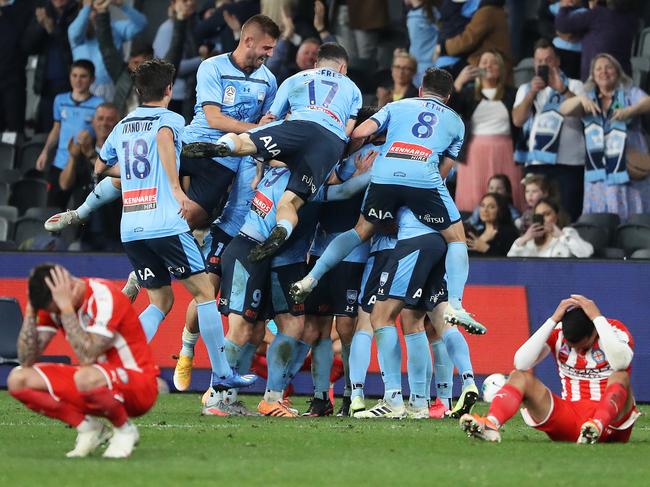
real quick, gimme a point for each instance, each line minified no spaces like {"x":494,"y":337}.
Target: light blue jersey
{"x":319,"y":95}
{"x":239,"y":199}
{"x":240,"y":95}
{"x":420,"y":131}
{"x":382,"y":241}
{"x":149,"y":208}
{"x":410,"y":226}
{"x":74,"y":117}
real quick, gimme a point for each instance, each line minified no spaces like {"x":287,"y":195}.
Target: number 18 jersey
{"x":149,"y":208}
{"x":419,"y":131}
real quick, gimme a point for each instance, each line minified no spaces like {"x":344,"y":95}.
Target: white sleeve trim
{"x":46,"y":329}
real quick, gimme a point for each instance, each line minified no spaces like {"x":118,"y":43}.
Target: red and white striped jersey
{"x":584,"y":377}
{"x":107,"y":312}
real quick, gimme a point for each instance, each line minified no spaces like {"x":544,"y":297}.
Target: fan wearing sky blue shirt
{"x":146,"y":145}
{"x":322,"y":104}
{"x":421,"y":133}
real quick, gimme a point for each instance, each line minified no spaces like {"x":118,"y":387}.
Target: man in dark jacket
{"x":47,"y":37}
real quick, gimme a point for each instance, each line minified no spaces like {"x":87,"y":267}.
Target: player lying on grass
{"x":593,"y":356}
{"x":116,"y":375}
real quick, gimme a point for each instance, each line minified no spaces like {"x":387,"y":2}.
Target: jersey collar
{"x":236,"y":66}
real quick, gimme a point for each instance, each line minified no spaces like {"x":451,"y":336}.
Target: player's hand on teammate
{"x":183,"y":203}
{"x":267,"y":118}
{"x":62,"y":288}
{"x":364,"y":163}
{"x":587,"y":305}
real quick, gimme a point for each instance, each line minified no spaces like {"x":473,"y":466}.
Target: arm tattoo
{"x":28,"y":342}
{"x":87,"y":346}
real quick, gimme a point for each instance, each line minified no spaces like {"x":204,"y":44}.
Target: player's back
{"x":149,"y":207}
{"x":319,"y":95}
{"x":260,"y":220}
{"x":419,"y":132}
{"x":239,"y":199}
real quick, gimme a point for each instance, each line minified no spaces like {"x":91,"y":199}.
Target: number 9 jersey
{"x":420,"y":131}
{"x":149,"y":207}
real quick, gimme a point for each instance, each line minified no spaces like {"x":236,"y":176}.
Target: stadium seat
{"x":596,"y":235}
{"x":9,"y":176}
{"x":613,"y":253}
{"x":524,"y":71}
{"x":640,"y":219}
{"x":641,"y":254}
{"x":27,"y":228}
{"x":608,"y":221}
{"x":8,"y":245}
{"x":9,"y":212}
{"x":12,"y":320}
{"x":643,"y":47}
{"x":41,"y":213}
{"x":29,"y":152}
{"x":28,"y":193}
{"x":631,"y":237}
{"x":4,"y":228}
{"x":640,"y":70}
{"x":4,"y":193}
{"x":7,"y":156}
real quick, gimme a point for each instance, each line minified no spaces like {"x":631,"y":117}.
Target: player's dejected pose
{"x":421,"y":132}
{"x":146,"y":146}
{"x":116,"y":375}
{"x":593,"y":355}
{"x":322,"y":104}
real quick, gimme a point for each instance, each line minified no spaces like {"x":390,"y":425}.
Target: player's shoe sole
{"x":270,"y":246}
{"x":590,"y":432}
{"x":183,"y":373}
{"x":478,"y":427}
{"x":132,"y":287}
{"x":89,"y":441}
{"x":197,"y":150}
{"x":60,"y":221}
{"x":300,"y":290}
{"x":235,"y":381}
{"x":275,"y":409}
{"x":465,"y":404}
{"x":460,"y":317}
{"x":382,"y":410}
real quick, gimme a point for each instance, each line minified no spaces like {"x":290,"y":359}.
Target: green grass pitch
{"x":178,"y":447}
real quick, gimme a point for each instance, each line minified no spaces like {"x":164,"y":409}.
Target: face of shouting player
{"x":259,"y":47}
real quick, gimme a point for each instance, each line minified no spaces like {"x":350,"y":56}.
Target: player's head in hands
{"x":334,"y":56}
{"x":153,"y":82}
{"x":40,"y":294}
{"x":437,"y":83}
{"x":578,"y":330}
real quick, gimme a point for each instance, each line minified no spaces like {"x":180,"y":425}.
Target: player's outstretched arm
{"x":31,"y":342}
{"x":366,"y":129}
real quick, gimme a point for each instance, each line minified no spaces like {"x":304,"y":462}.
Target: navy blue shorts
{"x":337,"y":293}
{"x":219,"y":240}
{"x":308,"y":149}
{"x":432,"y":206}
{"x":244,"y":285}
{"x":155,"y":260}
{"x":209,"y":183}
{"x":372,"y":276}
{"x":414,"y":272}
{"x":281,"y":280}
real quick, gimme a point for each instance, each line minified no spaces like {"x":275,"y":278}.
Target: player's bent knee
{"x":454,"y":233}
{"x":88,"y":378}
{"x":17,"y":379}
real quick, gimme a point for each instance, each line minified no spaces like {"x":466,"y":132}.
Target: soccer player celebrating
{"x":593,"y":356}
{"x":116,"y":375}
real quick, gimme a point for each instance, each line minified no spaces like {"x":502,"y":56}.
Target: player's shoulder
{"x":169,"y":117}
{"x":94,"y":100}
{"x":104,"y":288}
{"x":63,"y":97}
{"x":265,"y":74}
{"x":620,"y":329}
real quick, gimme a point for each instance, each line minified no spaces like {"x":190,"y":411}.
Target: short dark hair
{"x":108,"y":105}
{"x":40,"y":295}
{"x":505,"y":180}
{"x":84,"y":64}
{"x":364,"y":114}
{"x":140,"y":48}
{"x":152,"y":78}
{"x":333,"y":52}
{"x":544,"y":43}
{"x":438,"y":82}
{"x":264,"y":23}
{"x":576,"y":325}
{"x":504,"y":217}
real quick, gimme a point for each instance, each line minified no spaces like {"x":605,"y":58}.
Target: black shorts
{"x":432,"y":206}
{"x":337,"y":293}
{"x":156,"y":260}
{"x":244,"y":285}
{"x":414,"y":272}
{"x":308,"y":149}
{"x":209,"y":183}
{"x":281,"y":280}
{"x":219,"y":240}
{"x":372,"y":275}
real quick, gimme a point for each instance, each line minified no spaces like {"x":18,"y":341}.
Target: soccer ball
{"x":491,"y":386}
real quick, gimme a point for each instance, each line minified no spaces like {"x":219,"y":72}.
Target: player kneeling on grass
{"x":116,"y":375}
{"x":593,"y":355}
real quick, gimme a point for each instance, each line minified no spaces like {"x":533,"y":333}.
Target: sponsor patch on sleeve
{"x":140,"y":199}
{"x":414,"y":152}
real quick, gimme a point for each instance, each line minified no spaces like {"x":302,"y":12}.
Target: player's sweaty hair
{"x":40,"y":296}
{"x":331,"y":51}
{"x":264,"y":24}
{"x":576,"y":325}
{"x":437,"y":82}
{"x":152,"y":78}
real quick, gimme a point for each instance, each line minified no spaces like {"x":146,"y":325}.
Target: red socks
{"x":43,"y":403}
{"x":101,"y":402}
{"x":611,"y":404}
{"x":505,"y":404}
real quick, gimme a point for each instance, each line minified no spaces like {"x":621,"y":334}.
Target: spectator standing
{"x":84,"y":43}
{"x":47,"y":37}
{"x":421,"y":20}
{"x":484,"y":101}
{"x":219,"y":26}
{"x":610,"y":112}
{"x":549,"y":143}
{"x":607,"y":27}
{"x":14,"y":18}
{"x":73,"y":113}
{"x":454,"y":16}
{"x":499,"y":232}
{"x":185,"y":83}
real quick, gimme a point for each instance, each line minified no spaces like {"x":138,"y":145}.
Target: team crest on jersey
{"x":598,"y":356}
{"x":383,"y":278}
{"x":260,"y":96}
{"x":262,"y":204}
{"x":413,"y":152}
{"x":229,"y":95}
{"x":351,"y":295}
{"x":564,"y":351}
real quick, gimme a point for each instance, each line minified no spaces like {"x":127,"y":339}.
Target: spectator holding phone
{"x":548,"y":237}
{"x":550,"y":143}
{"x":499,"y":232}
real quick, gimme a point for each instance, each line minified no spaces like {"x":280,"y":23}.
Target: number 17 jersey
{"x":149,"y":209}
{"x":419,"y":132}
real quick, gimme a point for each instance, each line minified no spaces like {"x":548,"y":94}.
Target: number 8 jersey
{"x":420,"y":131}
{"x":149,"y":208}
